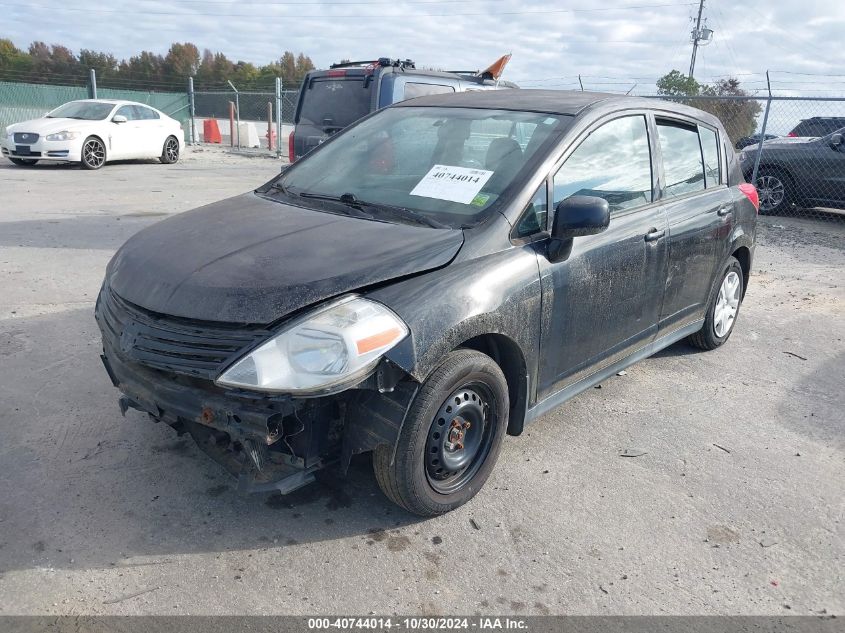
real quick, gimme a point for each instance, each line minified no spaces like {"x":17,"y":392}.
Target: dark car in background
{"x":429,"y":280}
{"x":745,"y":141}
{"x":330,"y":100}
{"x":818,"y":126}
{"x":806,"y":172}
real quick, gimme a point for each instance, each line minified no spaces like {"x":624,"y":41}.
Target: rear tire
{"x":170,"y":151}
{"x":23,"y":162}
{"x":451,"y":437}
{"x":723,"y":310}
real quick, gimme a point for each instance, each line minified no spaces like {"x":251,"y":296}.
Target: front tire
{"x":170,"y":151}
{"x":451,"y":437}
{"x":724,"y":308}
{"x":93,"y":153}
{"x":23,"y":162}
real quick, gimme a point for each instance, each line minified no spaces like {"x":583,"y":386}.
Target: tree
{"x":104,"y":64}
{"x":738,"y":115}
{"x":676,"y":84}
{"x":14,"y":59}
{"x":181,"y":61}
{"x":147,"y":67}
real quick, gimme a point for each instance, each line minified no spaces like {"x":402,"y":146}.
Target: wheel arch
{"x":743,"y":255}
{"x":509,"y":357}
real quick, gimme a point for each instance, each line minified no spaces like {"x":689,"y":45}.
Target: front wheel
{"x":170,"y":151}
{"x":451,"y":437}
{"x":93,"y":153}
{"x":775,"y":190}
{"x":724,"y":309}
{"x":23,"y":162}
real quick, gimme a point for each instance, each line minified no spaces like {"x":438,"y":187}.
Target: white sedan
{"x":93,"y":131}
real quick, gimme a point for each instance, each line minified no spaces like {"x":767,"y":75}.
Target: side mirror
{"x":118,"y":118}
{"x":580,"y":215}
{"x":836,"y":141}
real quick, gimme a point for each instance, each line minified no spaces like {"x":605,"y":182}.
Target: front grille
{"x":170,"y":343}
{"x":25,"y":138}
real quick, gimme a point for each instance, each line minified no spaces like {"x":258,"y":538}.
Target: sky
{"x":615,"y":45}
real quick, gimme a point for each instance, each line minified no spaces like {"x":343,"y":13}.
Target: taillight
{"x":792,"y":134}
{"x":750,"y":192}
{"x":336,"y":73}
{"x":291,"y":151}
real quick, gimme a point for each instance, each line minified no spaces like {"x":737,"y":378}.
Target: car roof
{"x":114,"y":102}
{"x":565,"y":102}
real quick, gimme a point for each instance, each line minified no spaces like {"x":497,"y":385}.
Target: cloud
{"x":610,"y":49}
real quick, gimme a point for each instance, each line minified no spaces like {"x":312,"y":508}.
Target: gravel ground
{"x":734,"y":507}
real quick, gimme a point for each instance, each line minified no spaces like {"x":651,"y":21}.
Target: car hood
{"x":249,"y":259}
{"x":780,"y":142}
{"x":45,"y":126}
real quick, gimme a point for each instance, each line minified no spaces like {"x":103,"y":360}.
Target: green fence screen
{"x":22,"y":101}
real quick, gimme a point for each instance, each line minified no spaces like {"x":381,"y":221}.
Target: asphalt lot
{"x":101,"y":515}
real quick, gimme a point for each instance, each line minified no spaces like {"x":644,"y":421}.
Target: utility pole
{"x":696,"y":36}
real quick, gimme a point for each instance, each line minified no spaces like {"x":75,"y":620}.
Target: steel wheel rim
{"x":171,"y":150}
{"x":460,"y":437}
{"x":772,"y":192}
{"x":727,"y":304}
{"x":94,"y":153}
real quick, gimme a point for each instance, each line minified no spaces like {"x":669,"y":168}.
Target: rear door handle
{"x":723,"y":211}
{"x":653,"y":235}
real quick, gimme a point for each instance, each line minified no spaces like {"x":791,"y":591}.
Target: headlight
{"x":64,"y":135}
{"x":325,"y":351}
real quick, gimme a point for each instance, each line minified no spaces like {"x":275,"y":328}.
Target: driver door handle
{"x":653,"y":235}
{"x":723,"y":211}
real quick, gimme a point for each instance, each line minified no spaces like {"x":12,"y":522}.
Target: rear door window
{"x":613,"y":162}
{"x":335,"y":102}
{"x":415,"y":89}
{"x":682,"y":163}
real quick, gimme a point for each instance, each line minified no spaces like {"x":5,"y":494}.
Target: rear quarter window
{"x":415,"y":89}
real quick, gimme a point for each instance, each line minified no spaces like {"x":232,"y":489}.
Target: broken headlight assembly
{"x":326,"y":351}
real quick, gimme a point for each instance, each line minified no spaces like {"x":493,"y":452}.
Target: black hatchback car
{"x":429,"y":280}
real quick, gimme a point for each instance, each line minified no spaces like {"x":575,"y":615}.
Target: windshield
{"x":335,"y":103}
{"x":449,"y":164}
{"x":86,"y":110}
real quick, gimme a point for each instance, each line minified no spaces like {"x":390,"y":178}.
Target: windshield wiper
{"x":351,"y":201}
{"x":347,"y":199}
{"x":405,"y":212}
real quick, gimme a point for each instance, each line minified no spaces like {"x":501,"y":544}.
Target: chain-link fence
{"x":247,"y":120}
{"x":792,"y":148}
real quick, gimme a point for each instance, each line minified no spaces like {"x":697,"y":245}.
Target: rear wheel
{"x":170,"y":151}
{"x":723,"y":310}
{"x":451,"y":437}
{"x":93,"y":153}
{"x":23,"y":162}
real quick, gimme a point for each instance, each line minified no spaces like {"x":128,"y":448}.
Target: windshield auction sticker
{"x":456,"y":184}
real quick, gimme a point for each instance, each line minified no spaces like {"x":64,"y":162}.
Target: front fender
{"x":497,"y":294}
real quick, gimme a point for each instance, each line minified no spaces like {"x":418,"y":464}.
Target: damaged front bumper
{"x":268,"y":442}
